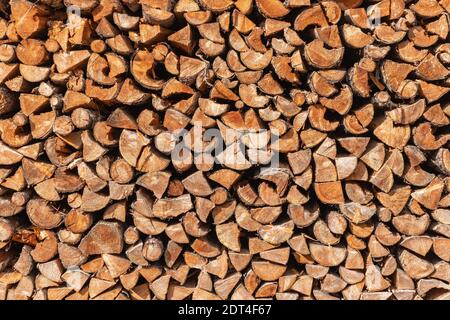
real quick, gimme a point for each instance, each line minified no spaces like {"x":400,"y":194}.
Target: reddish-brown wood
{"x":219,"y":149}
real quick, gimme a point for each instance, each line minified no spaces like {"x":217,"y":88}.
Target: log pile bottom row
{"x":224,"y":149}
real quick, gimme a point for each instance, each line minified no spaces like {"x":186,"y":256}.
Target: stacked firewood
{"x":224,"y":149}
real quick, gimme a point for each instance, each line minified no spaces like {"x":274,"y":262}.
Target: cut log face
{"x":104,"y":237}
{"x":247,"y":149}
{"x":327,"y":256}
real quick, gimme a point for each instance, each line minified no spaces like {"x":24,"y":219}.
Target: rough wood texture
{"x":219,"y":149}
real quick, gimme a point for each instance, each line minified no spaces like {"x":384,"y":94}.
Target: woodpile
{"x":224,"y":149}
